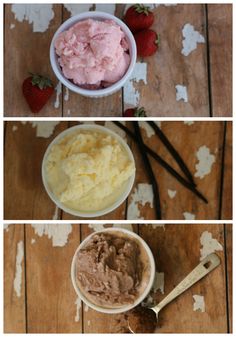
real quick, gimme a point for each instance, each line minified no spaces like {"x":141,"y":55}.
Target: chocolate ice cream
{"x":112,"y":269}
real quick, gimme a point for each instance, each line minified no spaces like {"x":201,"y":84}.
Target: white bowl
{"x":125,"y":307}
{"x":101,"y":92}
{"x":101,"y":212}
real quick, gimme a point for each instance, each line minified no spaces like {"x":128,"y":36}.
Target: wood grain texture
{"x":220,"y":52}
{"x":226,"y":207}
{"x":177,"y":251}
{"x":169,"y":67}
{"x":176,"y":248}
{"x":25,"y":197}
{"x":22,"y":175}
{"x":165,"y":70}
{"x":14,"y":306}
{"x":51,"y":298}
{"x":27,"y":52}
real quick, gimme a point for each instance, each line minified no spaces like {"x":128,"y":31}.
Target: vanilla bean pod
{"x":165,"y":141}
{"x":164,"y":164}
{"x":152,"y":178}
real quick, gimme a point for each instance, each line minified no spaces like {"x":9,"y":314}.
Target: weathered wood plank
{"x":220,"y":52}
{"x":169,"y":67}
{"x":14,"y":295}
{"x":24,"y":196}
{"x":229,"y":275}
{"x":227,"y":193}
{"x":27,"y":51}
{"x":177,"y":251}
{"x":51,"y":306}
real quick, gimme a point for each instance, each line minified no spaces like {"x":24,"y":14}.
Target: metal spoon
{"x":146,"y":319}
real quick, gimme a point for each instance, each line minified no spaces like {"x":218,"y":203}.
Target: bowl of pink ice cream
{"x":93,"y":54}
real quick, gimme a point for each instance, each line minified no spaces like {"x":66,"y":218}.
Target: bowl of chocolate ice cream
{"x":113,"y":270}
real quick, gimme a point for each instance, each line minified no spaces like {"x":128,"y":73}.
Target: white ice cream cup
{"x":100,"y":92}
{"x":121,"y":198}
{"x":139,"y":299}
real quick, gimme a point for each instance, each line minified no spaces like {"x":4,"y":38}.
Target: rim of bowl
{"x":139,"y":299}
{"x":103,"y":211}
{"x":100,"y":92}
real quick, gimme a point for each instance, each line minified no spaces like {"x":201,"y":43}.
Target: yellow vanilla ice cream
{"x":88,"y":170}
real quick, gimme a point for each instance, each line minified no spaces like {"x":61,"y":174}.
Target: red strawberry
{"x":135,"y":112}
{"x":147,"y":42}
{"x":37,"y":91}
{"x":138,"y":17}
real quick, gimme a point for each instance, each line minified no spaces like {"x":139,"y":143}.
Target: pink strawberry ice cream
{"x":93,"y":54}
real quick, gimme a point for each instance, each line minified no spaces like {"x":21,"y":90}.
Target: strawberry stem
{"x":140,"y":112}
{"x":141,"y":9}
{"x":40,"y":81}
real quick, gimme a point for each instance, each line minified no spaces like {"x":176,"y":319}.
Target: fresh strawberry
{"x":138,"y":17}
{"x":147,"y":42}
{"x":135,"y":112}
{"x":37,"y":91}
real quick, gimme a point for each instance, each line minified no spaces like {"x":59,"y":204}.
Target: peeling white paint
{"x":148,"y":129}
{"x":142,"y":195}
{"x":181,"y":93}
{"x":199,"y":303}
{"x":159,"y":282}
{"x":128,"y":226}
{"x":188,"y":122}
{"x":43,"y":129}
{"x":209,"y":245}
{"x":56,"y":214}
{"x":107,"y":8}
{"x":12,"y":26}
{"x":18,"y":270}
{"x":68,"y":112}
{"x":189,"y":216}
{"x":6,"y":226}
{"x":205,"y":162}
{"x":116,"y":129}
{"x":39,"y":15}
{"x":86,"y":308}
{"x":58,"y":90}
{"x":67,"y":94}
{"x":131,"y":95}
{"x":14,"y":128}
{"x":75,"y":9}
{"x":78,"y":306}
{"x":89,"y":322}
{"x":57,"y":232}
{"x":154,"y":226}
{"x":191,"y":39}
{"x":96,"y":226}
{"x":33,"y":241}
{"x":171,"y":193}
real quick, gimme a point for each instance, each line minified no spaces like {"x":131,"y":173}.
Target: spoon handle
{"x":205,"y":266}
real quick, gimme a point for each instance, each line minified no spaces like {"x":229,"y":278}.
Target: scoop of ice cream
{"x":110,"y":270}
{"x":92,"y":51}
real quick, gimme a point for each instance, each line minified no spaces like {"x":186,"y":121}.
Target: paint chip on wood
{"x":171,"y":193}
{"x":44,"y":129}
{"x":14,"y":128}
{"x":6,"y":226}
{"x":188,"y":122}
{"x":57,"y":232}
{"x":39,"y":15}
{"x":56,"y":214}
{"x":209,"y":245}
{"x":113,"y":127}
{"x":199,"y":303}
{"x":12,"y":26}
{"x":33,"y":241}
{"x":205,"y":162}
{"x":155,"y":226}
{"x":67,"y":94}
{"x":142,"y":195}
{"x":75,"y":9}
{"x":58,"y":90}
{"x":107,"y":8}
{"x":131,"y":94}
{"x":189,"y":216}
{"x":18,"y":269}
{"x":159,"y":282}
{"x":78,"y":306}
{"x":191,"y":39}
{"x":181,"y":93}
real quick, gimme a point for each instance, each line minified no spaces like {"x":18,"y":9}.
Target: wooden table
{"x":47,"y":300}
{"x":25,"y":197}
{"x":206,"y":72}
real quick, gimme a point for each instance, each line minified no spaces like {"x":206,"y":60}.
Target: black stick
{"x":164,"y":164}
{"x":165,"y":141}
{"x":152,"y":178}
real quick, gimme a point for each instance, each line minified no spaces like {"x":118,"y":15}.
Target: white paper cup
{"x":121,"y":197}
{"x":100,"y":92}
{"x":140,"y":298}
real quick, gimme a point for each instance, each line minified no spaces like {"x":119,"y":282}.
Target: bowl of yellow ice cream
{"x":88,"y":170}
